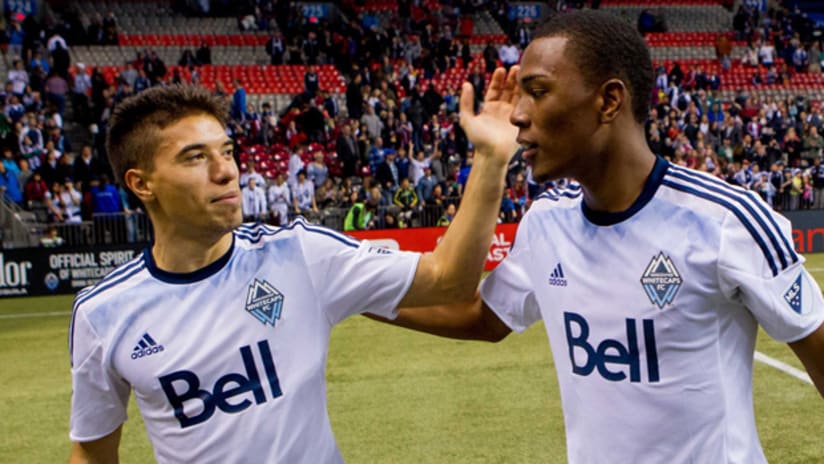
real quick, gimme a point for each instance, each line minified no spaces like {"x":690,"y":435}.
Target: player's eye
{"x":196,"y":156}
{"x":535,"y":92}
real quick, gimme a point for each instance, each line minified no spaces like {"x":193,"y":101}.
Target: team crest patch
{"x":264,"y":302}
{"x":661,"y":280}
{"x":793,"y":295}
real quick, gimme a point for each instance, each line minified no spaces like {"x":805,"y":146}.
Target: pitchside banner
{"x":424,"y":239}
{"x":808,"y":230}
{"x":55,"y":271}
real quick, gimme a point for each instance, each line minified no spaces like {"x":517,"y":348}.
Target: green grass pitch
{"x":394,"y":396}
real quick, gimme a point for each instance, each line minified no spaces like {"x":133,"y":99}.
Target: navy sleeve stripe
{"x":256,"y":235}
{"x":746,"y":199}
{"x":555,"y":194}
{"x":109,"y":280}
{"x":753,"y":199}
{"x":100,"y":288}
{"x":86,"y":291}
{"x":345,"y":239}
{"x":732,"y":208}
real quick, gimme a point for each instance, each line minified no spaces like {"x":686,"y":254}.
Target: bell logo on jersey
{"x":231,"y":385}
{"x":585,"y":357}
{"x":661,"y":280}
{"x":264,"y":302}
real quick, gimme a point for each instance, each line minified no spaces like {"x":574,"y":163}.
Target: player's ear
{"x":613,"y":94}
{"x":136,"y":181}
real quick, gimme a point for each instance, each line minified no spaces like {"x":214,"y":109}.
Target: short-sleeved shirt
{"x":652,"y":314}
{"x":227,"y":363}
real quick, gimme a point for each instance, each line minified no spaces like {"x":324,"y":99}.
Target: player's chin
{"x":231,"y":218}
{"x":542,"y":174}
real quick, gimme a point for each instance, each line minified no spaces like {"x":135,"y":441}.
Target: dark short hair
{"x":133,"y":130}
{"x":603,"y":46}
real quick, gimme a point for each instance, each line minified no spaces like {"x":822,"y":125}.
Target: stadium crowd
{"x":388,"y":151}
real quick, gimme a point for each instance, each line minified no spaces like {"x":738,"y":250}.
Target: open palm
{"x":490,"y":130}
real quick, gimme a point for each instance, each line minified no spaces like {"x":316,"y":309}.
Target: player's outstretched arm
{"x":100,"y":451}
{"x":810,"y":350}
{"x":452,"y":272}
{"x":471,"y":320}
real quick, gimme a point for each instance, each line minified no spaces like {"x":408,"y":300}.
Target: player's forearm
{"x":460,"y":256}
{"x":462,"y":321}
{"x":810,"y":350}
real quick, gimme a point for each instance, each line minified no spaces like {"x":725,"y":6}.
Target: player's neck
{"x":188,"y":254}
{"x":618,"y":179}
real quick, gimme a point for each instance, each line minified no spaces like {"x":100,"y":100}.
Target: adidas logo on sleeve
{"x":146,"y":346}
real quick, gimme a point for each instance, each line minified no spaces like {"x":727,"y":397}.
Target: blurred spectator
{"x":10,"y":186}
{"x":387,"y":174}
{"x":203,"y":55}
{"x":56,"y":90}
{"x":276,"y":48}
{"x":359,"y":216}
{"x":19,"y":78}
{"x":508,"y":54}
{"x":303,"y":196}
{"x":390,"y":221}
{"x":51,"y":239}
{"x":16,"y":35}
{"x":69,"y":201}
{"x":508,"y":213}
{"x":250,"y":174}
{"x":155,"y":68}
{"x":104,"y":195}
{"x":490,"y":55}
{"x":279,"y":198}
{"x":86,"y":167}
{"x":187,"y":59}
{"x":372,"y":123}
{"x":61,"y":60}
{"x":238,"y":101}
{"x":81,"y":87}
{"x":35,"y":189}
{"x":311,"y":82}
{"x":447,"y":216}
{"x":407,"y":200}
{"x":317,"y":171}
{"x":348,"y":151}
{"x":253,"y":202}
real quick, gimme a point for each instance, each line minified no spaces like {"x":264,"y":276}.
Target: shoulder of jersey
{"x":718,"y":197}
{"x":113,"y":282}
{"x":715,"y":199}
{"x":108,"y":288}
{"x":257,"y":235}
{"x":560,"y":194}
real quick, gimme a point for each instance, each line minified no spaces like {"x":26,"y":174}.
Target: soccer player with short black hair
{"x":651,"y":279}
{"x":222,"y":329}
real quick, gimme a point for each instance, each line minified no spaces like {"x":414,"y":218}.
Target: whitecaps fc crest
{"x":661,"y":280}
{"x":264,"y":302}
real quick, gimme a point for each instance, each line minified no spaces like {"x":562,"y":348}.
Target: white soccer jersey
{"x":227,"y":363}
{"x":652,"y":314}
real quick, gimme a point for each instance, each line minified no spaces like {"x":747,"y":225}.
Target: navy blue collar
{"x":601,"y":218}
{"x":186,"y":277}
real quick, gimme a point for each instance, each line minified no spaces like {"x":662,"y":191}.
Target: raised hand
{"x":490,"y":130}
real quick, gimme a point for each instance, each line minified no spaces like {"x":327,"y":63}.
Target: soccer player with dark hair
{"x":222,"y":329}
{"x":651,"y":279}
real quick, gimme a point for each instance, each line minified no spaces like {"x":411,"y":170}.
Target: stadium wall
{"x":53,"y":271}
